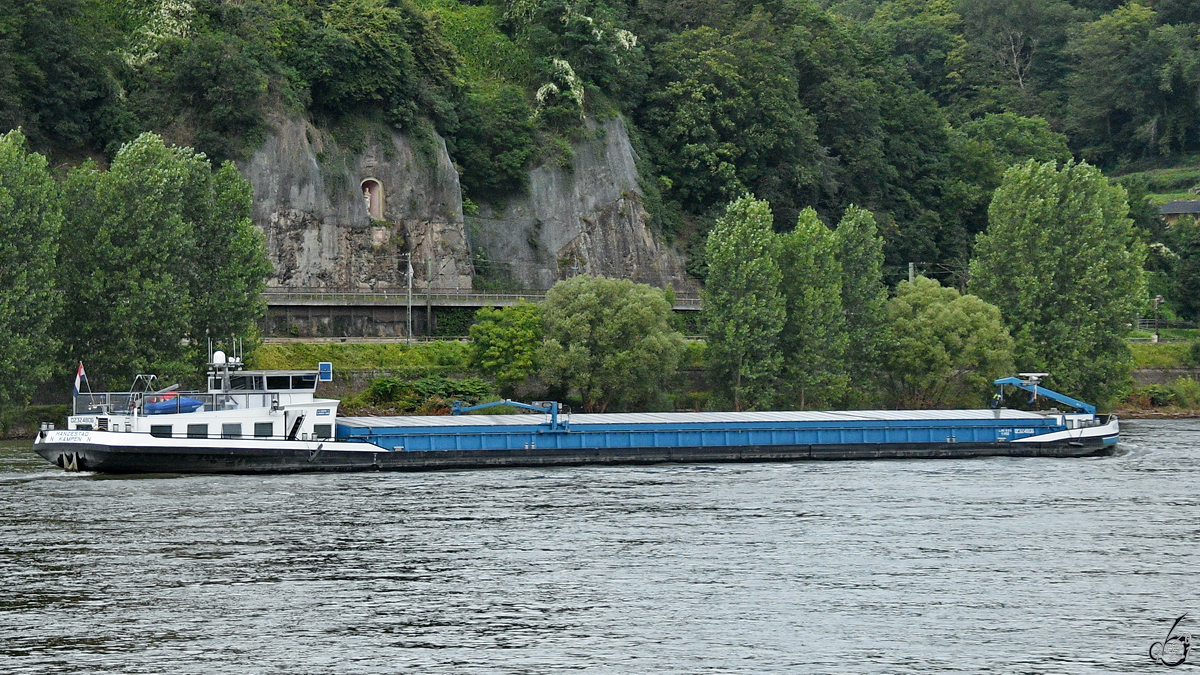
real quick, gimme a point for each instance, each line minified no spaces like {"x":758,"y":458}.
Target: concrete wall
{"x":1147,"y":376}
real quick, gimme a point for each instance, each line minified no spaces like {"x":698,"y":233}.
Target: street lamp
{"x":1157,"y":300}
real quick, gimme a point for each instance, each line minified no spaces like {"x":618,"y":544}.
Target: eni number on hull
{"x":255,"y":421}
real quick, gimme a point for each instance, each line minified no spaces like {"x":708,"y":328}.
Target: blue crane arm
{"x":1038,"y":390}
{"x":459,"y":408}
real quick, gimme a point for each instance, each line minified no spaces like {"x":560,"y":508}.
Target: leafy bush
{"x":453,"y":321}
{"x":1187,"y":393}
{"x":431,"y":395}
{"x":1159,"y":396}
{"x":1193,"y":356}
{"x":385,"y":389}
{"x":488,"y":55}
{"x":25,"y":422}
{"x":469,"y":390}
{"x":376,"y":54}
{"x":586,"y":35}
{"x":225,"y":87}
{"x":504,"y":343}
{"x":1182,"y":393}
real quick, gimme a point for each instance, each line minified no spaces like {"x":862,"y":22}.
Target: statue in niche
{"x":373,"y":198}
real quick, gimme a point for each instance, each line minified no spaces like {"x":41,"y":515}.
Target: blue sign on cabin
{"x":325,"y":371}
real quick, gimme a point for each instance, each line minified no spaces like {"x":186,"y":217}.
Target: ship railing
{"x":127,"y":403}
{"x":104,"y":403}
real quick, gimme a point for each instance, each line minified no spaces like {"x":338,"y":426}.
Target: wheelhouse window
{"x":264,"y":429}
{"x":233,"y":430}
{"x":279,"y":382}
{"x":306,"y":381}
{"x":245,"y":382}
{"x":197,"y":431}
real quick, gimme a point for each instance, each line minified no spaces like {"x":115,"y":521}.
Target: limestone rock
{"x":322,"y":230}
{"x":587,"y":218}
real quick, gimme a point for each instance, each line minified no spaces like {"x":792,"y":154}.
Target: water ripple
{"x":1002,"y":565}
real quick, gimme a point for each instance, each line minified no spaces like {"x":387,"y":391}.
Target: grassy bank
{"x":1161,"y":355}
{"x":432,"y":356}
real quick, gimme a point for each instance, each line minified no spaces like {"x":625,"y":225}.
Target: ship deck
{"x":697,"y":430}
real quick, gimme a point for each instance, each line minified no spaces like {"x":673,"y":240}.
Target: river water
{"x":1001,"y":565}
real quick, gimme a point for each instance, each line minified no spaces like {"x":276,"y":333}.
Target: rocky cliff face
{"x":341,"y":219}
{"x":587,"y":218}
{"x":313,"y":200}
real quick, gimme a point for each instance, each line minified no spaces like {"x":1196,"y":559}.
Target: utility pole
{"x":1157,"y":300}
{"x":408,"y":294}
{"x":428,"y":299}
{"x":912,"y":272}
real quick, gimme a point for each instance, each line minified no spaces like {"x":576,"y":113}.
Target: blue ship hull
{"x":664,"y":431}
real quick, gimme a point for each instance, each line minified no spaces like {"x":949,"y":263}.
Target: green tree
{"x":505,"y":342}
{"x":56,"y":74}
{"x":230,"y":263}
{"x":883,"y":140}
{"x":142,"y":292}
{"x":860,"y":252}
{"x":1062,"y":261}
{"x":723,"y":118}
{"x":379,"y":54}
{"x":610,"y":339}
{"x":925,"y":35}
{"x":494,"y":141}
{"x":1184,"y":283}
{"x":943,"y":349}
{"x":123,"y":261}
{"x":30,"y":219}
{"x":813,"y":340}
{"x":743,"y":308}
{"x":1133,"y":87}
{"x":1015,"y":57}
{"x":981,"y":151}
{"x":1008,"y":138}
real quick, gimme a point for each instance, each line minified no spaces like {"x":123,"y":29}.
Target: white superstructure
{"x":262,"y":404}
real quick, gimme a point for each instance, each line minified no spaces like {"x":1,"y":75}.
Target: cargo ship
{"x":272,"y":421}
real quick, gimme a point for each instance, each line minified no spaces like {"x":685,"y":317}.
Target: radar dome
{"x":219,"y":358}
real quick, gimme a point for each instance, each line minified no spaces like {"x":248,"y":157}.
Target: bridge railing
{"x":420,"y":296}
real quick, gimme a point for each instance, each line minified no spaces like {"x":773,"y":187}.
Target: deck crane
{"x":1029,"y":382}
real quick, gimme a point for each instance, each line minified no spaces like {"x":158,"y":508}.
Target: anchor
{"x":313,"y":455}
{"x":70,"y":461}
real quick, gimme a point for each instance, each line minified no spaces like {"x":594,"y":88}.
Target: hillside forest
{"x":767,"y":125}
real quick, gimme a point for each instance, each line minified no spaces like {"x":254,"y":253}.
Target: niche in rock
{"x":372,"y":193}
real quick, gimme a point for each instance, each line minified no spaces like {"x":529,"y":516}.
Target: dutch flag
{"x":80,"y":377}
